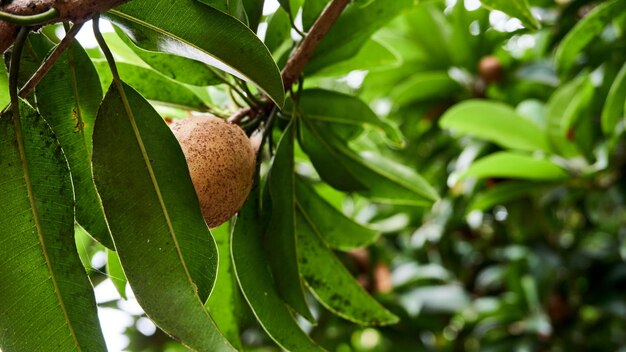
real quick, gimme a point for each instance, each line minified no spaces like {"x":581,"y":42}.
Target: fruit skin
{"x":221,"y":162}
{"x":490,"y":69}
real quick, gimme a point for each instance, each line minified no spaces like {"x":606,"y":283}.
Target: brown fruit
{"x":221,"y":162}
{"x":490,"y":69}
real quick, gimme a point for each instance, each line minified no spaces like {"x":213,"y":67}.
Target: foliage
{"x":442,"y":177}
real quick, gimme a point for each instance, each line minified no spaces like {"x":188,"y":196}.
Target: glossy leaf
{"x":224,"y":42}
{"x":335,"y":228}
{"x":519,"y":9}
{"x":116,"y":273}
{"x":47,"y":299}
{"x":379,"y":178}
{"x":281,"y":232}
{"x":232,"y":7}
{"x":501,"y":194}
{"x":353,"y":28}
{"x":224,"y":301}
{"x":152,"y":85}
{"x":516,"y":166}
{"x":326,"y":160}
{"x":332,"y":284}
{"x":176,"y":67}
{"x":585,"y":32}
{"x":252,"y":270}
{"x":495,"y":122}
{"x":373,"y":56}
{"x":389,"y":181}
{"x":68,"y":98}
{"x":615,"y":107}
{"x":4,"y":86}
{"x":424,"y":86}
{"x":565,"y":106}
{"x":311,"y":10}
{"x":278,"y":31}
{"x":338,"y":108}
{"x":164,"y":245}
{"x":254,"y":11}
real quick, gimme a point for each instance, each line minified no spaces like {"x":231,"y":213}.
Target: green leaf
{"x":311,"y":10}
{"x":116,"y":273}
{"x":47,"y":299}
{"x":352,"y":30}
{"x":256,"y":282}
{"x":585,"y":32}
{"x":373,"y":56}
{"x":614,"y":107}
{"x":495,"y":122}
{"x":281,"y":232}
{"x":231,"y":7}
{"x":164,"y":245}
{"x":517,"y":166}
{"x":68,"y":98}
{"x":254,"y":10}
{"x":335,"y":228}
{"x":286,"y":5}
{"x":326,"y":160}
{"x":152,"y":85}
{"x":565,"y":106}
{"x":4,"y":86}
{"x":384,"y":180}
{"x":223,"y":42}
{"x":514,"y":8}
{"x":85,"y":247}
{"x":332,"y":284}
{"x":501,"y":194}
{"x":121,"y":51}
{"x":224,"y":301}
{"x":389,"y":181}
{"x":338,"y":108}
{"x":175,"y":67}
{"x":424,"y":86}
{"x":278,"y":31}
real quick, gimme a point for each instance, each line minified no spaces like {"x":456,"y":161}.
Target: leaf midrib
{"x":157,"y":189}
{"x":33,"y":204}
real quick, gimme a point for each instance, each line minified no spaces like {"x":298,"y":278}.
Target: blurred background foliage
{"x":526,"y":249}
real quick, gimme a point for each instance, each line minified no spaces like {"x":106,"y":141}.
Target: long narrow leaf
{"x":224,"y":42}
{"x":337,"y":230}
{"x":256,"y":282}
{"x":47,"y":300}
{"x":281,"y":232}
{"x":614,"y":108}
{"x":164,"y":245}
{"x":333,"y":284}
{"x":68,"y":98}
{"x":585,"y":31}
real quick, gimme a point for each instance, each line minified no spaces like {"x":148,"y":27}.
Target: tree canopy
{"x":430,"y":175}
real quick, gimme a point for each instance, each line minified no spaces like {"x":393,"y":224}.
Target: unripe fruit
{"x":490,"y":69}
{"x":221,"y":162}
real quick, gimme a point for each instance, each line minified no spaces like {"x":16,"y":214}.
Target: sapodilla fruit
{"x":221,"y":161}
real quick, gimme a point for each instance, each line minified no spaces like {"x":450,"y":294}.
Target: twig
{"x":239,"y":115}
{"x":305,"y":51}
{"x":293,"y":69}
{"x":50,"y":61}
{"x":68,"y":10}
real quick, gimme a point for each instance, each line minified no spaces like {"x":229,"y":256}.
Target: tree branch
{"x":69,"y":10}
{"x":50,"y":61}
{"x":305,"y":51}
